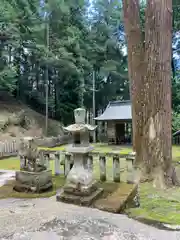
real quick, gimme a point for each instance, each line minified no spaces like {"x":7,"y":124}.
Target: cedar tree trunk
{"x":149,"y":65}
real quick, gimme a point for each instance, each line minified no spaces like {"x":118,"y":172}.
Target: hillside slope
{"x":18,"y":120}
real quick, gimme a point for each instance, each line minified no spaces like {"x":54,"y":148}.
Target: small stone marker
{"x":47,"y":160}
{"x":130,"y":169}
{"x":22,"y":162}
{"x":116,"y":168}
{"x":57,"y":163}
{"x":102,"y":167}
{"x":14,"y":146}
{"x":67,"y":163}
{"x":41,"y":158}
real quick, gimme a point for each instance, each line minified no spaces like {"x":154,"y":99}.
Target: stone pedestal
{"x":80,"y":187}
{"x":33,"y":181}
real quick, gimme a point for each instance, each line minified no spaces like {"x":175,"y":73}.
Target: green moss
{"x":108,"y":188}
{"x":7,"y":191}
{"x":156,"y":206}
{"x":59,"y":148}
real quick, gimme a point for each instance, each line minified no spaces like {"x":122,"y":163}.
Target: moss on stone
{"x":116,"y":196}
{"x":7,"y":191}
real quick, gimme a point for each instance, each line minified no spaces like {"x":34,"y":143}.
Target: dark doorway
{"x":120,"y":133}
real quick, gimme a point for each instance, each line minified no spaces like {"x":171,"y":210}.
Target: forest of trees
{"x":64,"y":43}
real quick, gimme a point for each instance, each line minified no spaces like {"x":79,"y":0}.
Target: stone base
{"x":122,"y":198}
{"x":79,"y":200}
{"x":33,"y":181}
{"x":82,"y":191}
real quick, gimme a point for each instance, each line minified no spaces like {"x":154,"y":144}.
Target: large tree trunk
{"x":135,"y":63}
{"x":151,"y":88}
{"x":156,"y":144}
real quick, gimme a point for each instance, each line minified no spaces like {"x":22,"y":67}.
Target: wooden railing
{"x":65,"y":159}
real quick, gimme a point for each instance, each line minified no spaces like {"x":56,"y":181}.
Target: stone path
{"x":47,"y":219}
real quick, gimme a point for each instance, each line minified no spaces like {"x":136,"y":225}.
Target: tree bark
{"x":156,"y":144}
{"x":135,"y":45}
{"x":149,"y":68}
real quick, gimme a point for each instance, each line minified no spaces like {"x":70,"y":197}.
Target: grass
{"x":14,"y":164}
{"x":104,"y":148}
{"x":156,"y":205}
{"x":7,"y":191}
{"x":176,"y":153}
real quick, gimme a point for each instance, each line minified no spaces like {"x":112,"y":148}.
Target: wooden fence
{"x":65,"y":159}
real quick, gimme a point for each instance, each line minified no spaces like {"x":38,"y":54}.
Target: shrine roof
{"x":79,"y":127}
{"x":116,"y":110}
{"x":176,"y":133}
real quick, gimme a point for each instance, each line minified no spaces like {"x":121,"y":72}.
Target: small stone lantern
{"x":80,"y":187}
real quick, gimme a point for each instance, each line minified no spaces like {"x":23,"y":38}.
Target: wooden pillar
{"x":116,"y":168}
{"x":57,"y":163}
{"x":102,"y":167}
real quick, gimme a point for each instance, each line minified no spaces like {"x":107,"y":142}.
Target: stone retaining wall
{"x":10,"y":148}
{"x":53,"y":141}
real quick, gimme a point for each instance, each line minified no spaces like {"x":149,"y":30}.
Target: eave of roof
{"x":117,"y":110}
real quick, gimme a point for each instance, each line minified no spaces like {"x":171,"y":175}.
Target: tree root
{"x":172,"y":178}
{"x":160,"y":179}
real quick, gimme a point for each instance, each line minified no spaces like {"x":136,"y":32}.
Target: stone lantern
{"x":80,"y":187}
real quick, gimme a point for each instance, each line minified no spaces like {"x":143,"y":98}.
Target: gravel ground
{"x":6,"y":175}
{"x":47,"y":219}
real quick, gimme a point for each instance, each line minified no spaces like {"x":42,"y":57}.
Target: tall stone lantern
{"x":80,"y":187}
